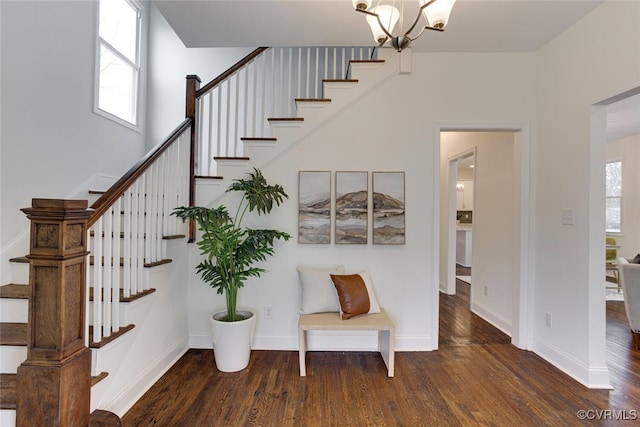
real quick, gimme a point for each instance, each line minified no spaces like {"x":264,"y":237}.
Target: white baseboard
{"x":596,"y":377}
{"x":327,"y":341}
{"x":492,"y":317}
{"x":138,"y":386}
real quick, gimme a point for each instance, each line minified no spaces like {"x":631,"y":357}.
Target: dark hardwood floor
{"x":475,"y":378}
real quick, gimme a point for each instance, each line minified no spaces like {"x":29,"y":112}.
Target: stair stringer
{"x":290,"y":134}
{"x":159,"y":339}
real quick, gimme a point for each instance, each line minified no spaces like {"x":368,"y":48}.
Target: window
{"x":118,"y":61}
{"x":614,"y":196}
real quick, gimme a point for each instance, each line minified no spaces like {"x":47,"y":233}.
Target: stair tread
{"x":106,"y":340}
{"x":208,"y":177}
{"x":174,"y":236}
{"x":359,"y":61}
{"x":340,"y":81}
{"x":16,"y":291}
{"x":286,"y":119}
{"x":8,"y":395}
{"x":21,"y":259}
{"x":146,"y":264}
{"x":313,"y":99}
{"x":95,"y":380}
{"x":168,"y":237}
{"x":258,"y":138}
{"x":129,"y":298}
{"x":13,"y":333}
{"x":230,"y":158}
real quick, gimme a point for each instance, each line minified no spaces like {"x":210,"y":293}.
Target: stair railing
{"x":128,"y":226}
{"x":239,"y":103}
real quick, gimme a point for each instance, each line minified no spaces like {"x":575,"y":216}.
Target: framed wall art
{"x":352,"y":207}
{"x":314,"y":207}
{"x":388,"y":208}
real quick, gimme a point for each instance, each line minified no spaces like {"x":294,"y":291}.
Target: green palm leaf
{"x":230,"y":251}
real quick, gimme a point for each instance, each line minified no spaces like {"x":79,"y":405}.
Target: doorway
{"x":613,"y":120}
{"x":499,"y":224}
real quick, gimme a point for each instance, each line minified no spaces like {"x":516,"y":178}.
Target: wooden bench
{"x":332,"y":322}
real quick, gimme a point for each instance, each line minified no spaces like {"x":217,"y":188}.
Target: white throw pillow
{"x":318,"y":294}
{"x":374,"y":307}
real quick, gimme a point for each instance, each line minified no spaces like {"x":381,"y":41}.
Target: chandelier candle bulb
{"x":382,"y":19}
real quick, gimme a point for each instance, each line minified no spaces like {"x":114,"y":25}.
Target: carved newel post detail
{"x":54,"y":383}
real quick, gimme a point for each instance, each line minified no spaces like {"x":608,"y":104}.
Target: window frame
{"x":136,"y":67}
{"x":619,"y":198}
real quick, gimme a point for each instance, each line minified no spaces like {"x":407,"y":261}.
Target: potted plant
{"x":230,"y":252}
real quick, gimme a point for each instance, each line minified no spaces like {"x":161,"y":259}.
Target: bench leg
{"x":302,"y":351}
{"x":386,"y":348}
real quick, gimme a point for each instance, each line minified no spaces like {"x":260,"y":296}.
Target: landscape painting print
{"x":314,"y":207}
{"x":352,"y":196}
{"x":388,"y":208}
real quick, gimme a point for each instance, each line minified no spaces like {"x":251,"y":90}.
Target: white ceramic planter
{"x":232,"y":341}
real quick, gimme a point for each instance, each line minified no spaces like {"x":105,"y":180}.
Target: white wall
{"x":494,"y":255}
{"x":169,"y":63}
{"x":51,"y":139}
{"x":399,"y":137}
{"x":597,"y":58}
{"x":395,"y":128}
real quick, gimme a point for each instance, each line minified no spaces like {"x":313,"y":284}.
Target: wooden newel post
{"x":54,"y":383}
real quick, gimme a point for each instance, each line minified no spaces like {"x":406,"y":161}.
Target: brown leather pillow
{"x":352,"y":294}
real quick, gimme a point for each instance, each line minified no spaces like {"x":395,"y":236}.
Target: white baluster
{"x":97,"y":281}
{"x":115,"y":286}
{"x":128,"y":250}
{"x":105,"y":294}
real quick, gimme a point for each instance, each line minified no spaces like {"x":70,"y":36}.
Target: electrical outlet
{"x":547,"y":320}
{"x":267,"y":312}
{"x":486,"y":290}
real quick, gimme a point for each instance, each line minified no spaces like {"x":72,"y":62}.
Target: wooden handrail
{"x":215,"y":82}
{"x":109,"y":198}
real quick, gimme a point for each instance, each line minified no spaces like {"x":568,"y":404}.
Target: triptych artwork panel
{"x":351,"y":207}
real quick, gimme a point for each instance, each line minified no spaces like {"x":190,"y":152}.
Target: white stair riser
{"x":14,"y":310}
{"x":19,"y":273}
{"x":7,"y":417}
{"x":12,"y":357}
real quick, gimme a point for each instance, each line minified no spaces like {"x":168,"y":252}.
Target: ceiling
{"x":475,"y":26}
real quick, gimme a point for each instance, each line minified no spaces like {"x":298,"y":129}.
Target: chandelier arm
{"x":426,"y":27}
{"x":415,"y":22}
{"x":389,"y":35}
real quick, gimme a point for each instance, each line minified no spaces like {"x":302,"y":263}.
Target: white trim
{"x":523,"y":296}
{"x":327,"y":341}
{"x":139,"y":386}
{"x":435,"y":280}
{"x":137,"y":67}
{"x":500,"y":322}
{"x":592,"y":377}
{"x":450,"y":283}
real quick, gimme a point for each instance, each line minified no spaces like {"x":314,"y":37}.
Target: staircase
{"x":136,"y":267}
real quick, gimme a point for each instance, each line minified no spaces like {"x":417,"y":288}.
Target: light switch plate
{"x":567,"y":216}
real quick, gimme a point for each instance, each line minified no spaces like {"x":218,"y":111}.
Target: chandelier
{"x":382,"y":17}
